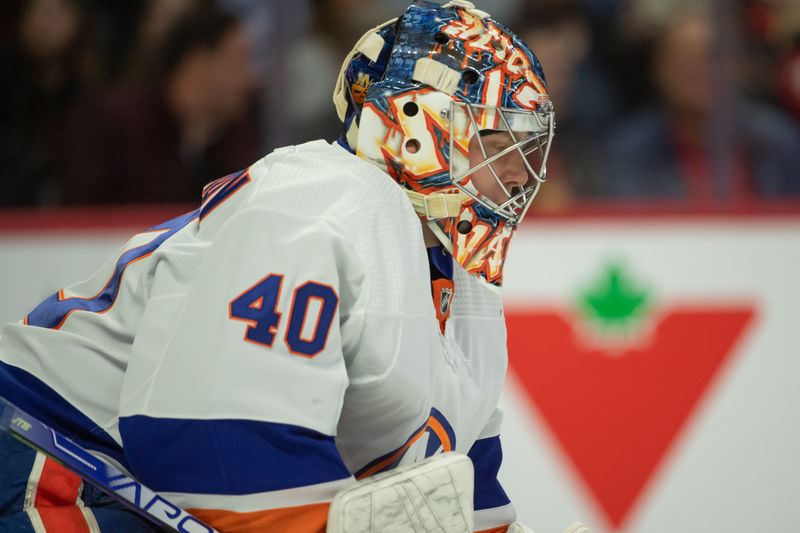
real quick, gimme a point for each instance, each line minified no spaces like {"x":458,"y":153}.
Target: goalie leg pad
{"x":432,"y":496}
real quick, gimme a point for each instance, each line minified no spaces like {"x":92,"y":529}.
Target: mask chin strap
{"x":437,"y":205}
{"x":433,"y":207}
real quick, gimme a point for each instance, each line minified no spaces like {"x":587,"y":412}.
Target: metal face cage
{"x":529,"y":133}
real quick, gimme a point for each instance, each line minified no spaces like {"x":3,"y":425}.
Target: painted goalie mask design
{"x":454,"y":107}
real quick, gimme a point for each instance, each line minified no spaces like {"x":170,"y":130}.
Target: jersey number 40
{"x":258,"y":307}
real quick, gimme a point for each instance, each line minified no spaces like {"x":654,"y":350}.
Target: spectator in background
{"x":773,"y":51}
{"x":277,"y":28}
{"x":45,"y":66}
{"x":163,"y":143}
{"x":155,"y":26}
{"x":111,"y":34}
{"x":666,"y":151}
{"x":560,"y":33}
{"x":314,"y":63}
{"x":789,"y":78}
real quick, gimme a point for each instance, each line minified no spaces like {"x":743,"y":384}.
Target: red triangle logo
{"x":615,"y":414}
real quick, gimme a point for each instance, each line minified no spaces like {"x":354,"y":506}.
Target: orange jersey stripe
{"x":432,"y":424}
{"x":501,"y":529}
{"x":394,"y":456}
{"x":302,"y":519}
{"x":444,"y":438}
{"x":63,"y":519}
{"x":56,"y":497}
{"x":57,"y":486}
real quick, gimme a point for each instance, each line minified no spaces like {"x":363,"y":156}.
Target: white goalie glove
{"x":434,"y":496}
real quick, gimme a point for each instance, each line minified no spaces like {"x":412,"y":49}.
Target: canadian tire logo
{"x":616,"y":377}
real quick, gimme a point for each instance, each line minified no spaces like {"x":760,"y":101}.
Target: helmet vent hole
{"x":410,"y":109}
{"x":441,"y":37}
{"x":469,"y":76}
{"x":412,"y":146}
{"x":464,"y":227}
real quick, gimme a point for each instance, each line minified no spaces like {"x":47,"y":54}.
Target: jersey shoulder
{"x":318,"y":182}
{"x":324,"y":179}
{"x":313,"y":181}
{"x":321,"y":188}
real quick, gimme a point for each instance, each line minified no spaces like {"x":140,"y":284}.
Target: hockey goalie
{"x":326,"y":322}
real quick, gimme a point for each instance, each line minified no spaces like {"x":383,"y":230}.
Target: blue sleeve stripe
{"x":36,"y":398}
{"x":216,"y":192}
{"x":448,"y":429}
{"x":52,"y":312}
{"x":486,"y":455}
{"x":227,"y":457}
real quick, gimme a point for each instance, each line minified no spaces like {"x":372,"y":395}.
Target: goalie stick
{"x":120,"y":486}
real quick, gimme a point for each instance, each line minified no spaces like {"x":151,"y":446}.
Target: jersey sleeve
{"x":493,"y":509}
{"x":236,"y":382}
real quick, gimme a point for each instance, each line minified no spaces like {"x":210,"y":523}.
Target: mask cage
{"x":530,"y":133}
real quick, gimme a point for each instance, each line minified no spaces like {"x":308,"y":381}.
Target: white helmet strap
{"x":437,"y":205}
{"x":437,"y":75}
{"x":370,"y":44}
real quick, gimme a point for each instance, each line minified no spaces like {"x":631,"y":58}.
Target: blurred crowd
{"x":692,"y":103}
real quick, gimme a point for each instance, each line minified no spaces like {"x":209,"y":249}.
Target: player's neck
{"x":430,"y":239}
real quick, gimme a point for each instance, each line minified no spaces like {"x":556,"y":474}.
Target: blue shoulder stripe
{"x":227,"y":457}
{"x":486,"y":455}
{"x":216,"y":192}
{"x":52,"y":312}
{"x":36,"y":398}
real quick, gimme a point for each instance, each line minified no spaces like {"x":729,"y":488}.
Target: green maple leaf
{"x":614,"y":300}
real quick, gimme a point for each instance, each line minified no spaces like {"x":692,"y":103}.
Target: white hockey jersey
{"x":250,"y":358}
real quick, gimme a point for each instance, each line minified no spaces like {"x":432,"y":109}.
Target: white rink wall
{"x":679,"y":414}
{"x":732,"y":463}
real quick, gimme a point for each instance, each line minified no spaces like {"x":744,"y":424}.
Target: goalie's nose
{"x":513,"y":173}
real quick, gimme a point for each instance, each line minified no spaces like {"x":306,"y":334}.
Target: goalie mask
{"x":454,"y":107}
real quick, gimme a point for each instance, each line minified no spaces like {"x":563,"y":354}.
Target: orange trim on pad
{"x":56,"y":498}
{"x":302,"y":519}
{"x":63,"y":519}
{"x":57,"y":486}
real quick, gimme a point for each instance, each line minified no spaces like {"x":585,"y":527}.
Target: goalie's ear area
{"x":439,"y":489}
